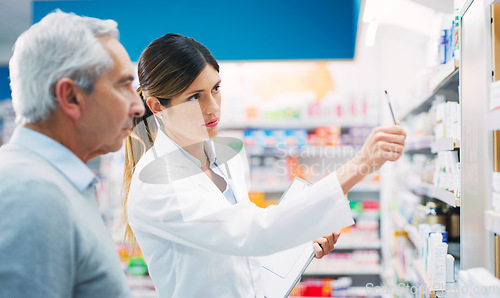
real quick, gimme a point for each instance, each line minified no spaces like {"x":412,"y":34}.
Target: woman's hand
{"x":385,"y":143}
{"x":322,"y":246}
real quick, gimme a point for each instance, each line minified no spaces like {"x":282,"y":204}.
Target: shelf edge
{"x":492,"y":120}
{"x":492,"y":221}
{"x":424,"y":279}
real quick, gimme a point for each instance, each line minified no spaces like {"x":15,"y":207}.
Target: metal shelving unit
{"x":308,"y":152}
{"x":446,"y":144}
{"x":475,"y":81}
{"x":492,"y":221}
{"x":492,"y":120}
{"x":436,"y":193}
{"x":307,"y":124}
{"x":445,"y":82}
{"x":282,"y":188}
{"x":426,"y":145}
{"x":422,"y":145}
{"x":366,"y":270}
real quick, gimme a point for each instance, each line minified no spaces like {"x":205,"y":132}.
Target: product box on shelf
{"x":313,"y":288}
{"x":258,"y":140}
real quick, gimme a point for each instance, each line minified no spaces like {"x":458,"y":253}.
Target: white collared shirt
{"x":57,"y":155}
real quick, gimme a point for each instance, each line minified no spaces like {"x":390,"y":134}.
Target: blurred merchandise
{"x":313,"y":288}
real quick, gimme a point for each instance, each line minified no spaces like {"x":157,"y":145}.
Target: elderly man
{"x":72,"y":93}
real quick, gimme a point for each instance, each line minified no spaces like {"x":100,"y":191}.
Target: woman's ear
{"x":67,"y":98}
{"x":154,"y":105}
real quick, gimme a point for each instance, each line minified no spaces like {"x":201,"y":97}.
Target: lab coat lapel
{"x":180,"y":169}
{"x":227,"y":160}
{"x":185,"y":171}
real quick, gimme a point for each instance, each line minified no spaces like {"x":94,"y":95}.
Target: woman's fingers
{"x":322,"y":246}
{"x":323,"y":242}
{"x":392,"y":129}
{"x":391,"y":147}
{"x":389,"y":138}
{"x":336,"y":236}
{"x":319,"y":250}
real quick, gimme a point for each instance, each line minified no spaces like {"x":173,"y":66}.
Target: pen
{"x":390,"y":106}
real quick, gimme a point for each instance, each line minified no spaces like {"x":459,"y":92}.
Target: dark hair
{"x":166,"y":68}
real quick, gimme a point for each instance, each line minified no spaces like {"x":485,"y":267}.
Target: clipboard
{"x":281,"y":271}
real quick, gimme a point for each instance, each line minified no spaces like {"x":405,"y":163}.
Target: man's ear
{"x":154,"y":105}
{"x":67,"y":96}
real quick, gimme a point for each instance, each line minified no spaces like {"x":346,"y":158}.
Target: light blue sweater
{"x":53,"y":242}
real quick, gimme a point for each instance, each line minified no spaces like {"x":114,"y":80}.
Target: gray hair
{"x":61,"y":45}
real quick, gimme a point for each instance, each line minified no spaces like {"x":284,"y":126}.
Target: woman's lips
{"x":212,"y":123}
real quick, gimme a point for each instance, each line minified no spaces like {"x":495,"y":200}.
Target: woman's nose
{"x":213,"y":105}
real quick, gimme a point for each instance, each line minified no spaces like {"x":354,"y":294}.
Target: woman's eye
{"x":194,"y":97}
{"x":216,"y":89}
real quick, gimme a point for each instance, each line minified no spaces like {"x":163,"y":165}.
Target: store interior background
{"x":331,"y":86}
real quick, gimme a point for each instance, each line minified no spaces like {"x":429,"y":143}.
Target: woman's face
{"x":193,"y":115}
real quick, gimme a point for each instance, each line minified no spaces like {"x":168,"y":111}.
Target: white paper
{"x":282,"y":270}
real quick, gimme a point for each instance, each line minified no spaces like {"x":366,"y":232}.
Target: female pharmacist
{"x":187,"y":199}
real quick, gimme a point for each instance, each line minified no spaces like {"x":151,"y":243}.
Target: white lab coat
{"x":196,"y":244}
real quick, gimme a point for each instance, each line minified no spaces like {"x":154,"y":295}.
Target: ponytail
{"x":139,"y":141}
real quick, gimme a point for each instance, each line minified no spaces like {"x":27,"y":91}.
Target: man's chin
{"x":112,"y":147}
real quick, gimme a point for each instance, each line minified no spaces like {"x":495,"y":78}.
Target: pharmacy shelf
{"x":308,"y":151}
{"x":401,"y":224}
{"x":368,"y":187}
{"x":425,"y":145}
{"x":425,"y":282}
{"x":444,"y":82}
{"x":489,"y":2}
{"x":141,"y":286}
{"x":454,"y":249}
{"x":350,"y":245}
{"x":492,"y":120}
{"x":269,"y":188}
{"x":446,"y":144}
{"x":399,"y":220}
{"x":426,"y":287}
{"x":361,"y":270}
{"x":307,"y":124}
{"x":353,"y":292}
{"x":492,"y":221}
{"x":326,"y":151}
{"x":413,"y":235}
{"x":421,"y":145}
{"x":437,"y":193}
{"x":399,"y":270}
{"x":495,"y":95}
{"x":366,"y":291}
{"x":269,"y":152}
{"x":282,"y":188}
{"x":388,"y":274}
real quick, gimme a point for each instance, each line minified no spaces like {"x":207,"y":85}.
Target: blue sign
{"x":233,"y":30}
{"x":5,"y":92}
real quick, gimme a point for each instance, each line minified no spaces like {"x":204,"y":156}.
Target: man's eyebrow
{"x":126,"y":79}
